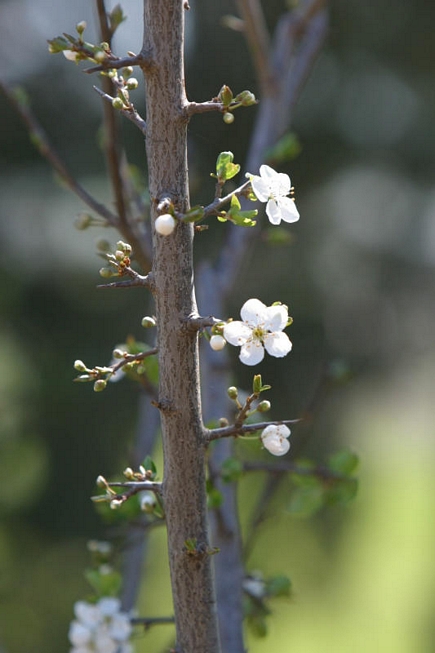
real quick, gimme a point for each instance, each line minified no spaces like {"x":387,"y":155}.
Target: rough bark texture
{"x":179,"y":389}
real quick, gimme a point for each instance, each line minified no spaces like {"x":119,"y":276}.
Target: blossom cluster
{"x":100,"y":628}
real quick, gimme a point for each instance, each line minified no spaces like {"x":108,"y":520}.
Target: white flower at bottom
{"x":275,"y":439}
{"x":261,"y":329}
{"x":273,"y":187}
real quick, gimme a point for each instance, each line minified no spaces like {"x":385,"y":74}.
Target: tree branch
{"x":129,"y":112}
{"x":244,"y":429}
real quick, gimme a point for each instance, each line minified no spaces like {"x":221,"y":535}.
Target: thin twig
{"x":129,"y":112}
{"x":110,"y":63}
{"x":41,"y":141}
{"x":257,"y":36}
{"x":243,"y":429}
{"x":147,"y":622}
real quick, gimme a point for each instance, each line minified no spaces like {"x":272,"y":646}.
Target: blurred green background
{"x":358,"y":278}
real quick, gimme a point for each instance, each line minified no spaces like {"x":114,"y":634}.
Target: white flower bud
{"x":148,"y":322}
{"x":165,"y":224}
{"x":132,"y":83}
{"x":80,"y":366}
{"x":70,"y":55}
{"x":217,"y":342}
{"x":116,"y":503}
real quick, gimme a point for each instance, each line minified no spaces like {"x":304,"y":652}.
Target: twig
{"x":256,"y":33}
{"x":214,"y":207}
{"x":243,"y":429}
{"x":138,"y":486}
{"x":147,"y":622}
{"x":129,"y":112}
{"x":41,"y":141}
{"x":110,"y":63}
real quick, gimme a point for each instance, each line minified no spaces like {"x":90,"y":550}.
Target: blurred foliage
{"x":357,"y":274}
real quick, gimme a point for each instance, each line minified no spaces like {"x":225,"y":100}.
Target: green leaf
{"x":149,"y":465}
{"x":231,"y":470}
{"x":214,"y":498}
{"x":286,"y":149}
{"x":343,"y":462}
{"x":107,"y":584}
{"x":58,"y":44}
{"x":225,"y":95}
{"x":194,"y":214}
{"x":116,"y":17}
{"x":341,"y":492}
{"x":225,"y":168}
{"x":257,"y":384}
{"x":278,"y":586}
{"x":307,"y":499}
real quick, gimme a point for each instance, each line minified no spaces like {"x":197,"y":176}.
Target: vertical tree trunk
{"x":179,"y":389}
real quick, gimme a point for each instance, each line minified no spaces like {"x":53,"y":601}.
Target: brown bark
{"x":179,"y":388}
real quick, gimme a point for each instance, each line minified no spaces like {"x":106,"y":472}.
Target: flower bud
{"x":100,"y":385}
{"x":132,"y":83}
{"x":217,"y":342}
{"x":80,"y":366}
{"x":127,"y":71}
{"x":102,"y":245}
{"x":148,"y":322}
{"x":101,"y":481}
{"x":246,"y":98}
{"x":106,"y":273}
{"x":128,"y":473}
{"x":119,"y":255}
{"x":116,"y":503}
{"x":125,"y":247}
{"x":263,"y":406}
{"x":83,"y":221}
{"x":117,"y":103}
{"x":232,"y":392}
{"x":80,"y":27}
{"x":100,"y":56}
{"x":228,"y":118}
{"x":165,"y":224}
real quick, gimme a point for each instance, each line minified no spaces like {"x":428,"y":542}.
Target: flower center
{"x":258,"y":333}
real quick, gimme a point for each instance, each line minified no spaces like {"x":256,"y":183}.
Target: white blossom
{"x":274,"y":187}
{"x":275,"y":439}
{"x":165,"y":224}
{"x":260,"y":329}
{"x":70,"y":55}
{"x":100,"y":628}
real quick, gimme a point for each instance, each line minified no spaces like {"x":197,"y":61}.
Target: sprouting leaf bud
{"x":148,"y":322}
{"x":246,"y":98}
{"x":165,"y":224}
{"x":263,"y":406}
{"x":100,"y":385}
{"x":83,"y":221}
{"x":217,"y":342}
{"x":132,"y":83}
{"x":228,"y":118}
{"x":116,"y":503}
{"x":232,"y":392}
{"x":80,"y":27}
{"x":127,"y":71}
{"x":101,"y":481}
{"x":80,"y":366}
{"x":106,"y":273}
{"x":117,"y":103}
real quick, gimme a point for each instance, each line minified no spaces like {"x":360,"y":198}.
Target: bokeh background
{"x":358,"y":277}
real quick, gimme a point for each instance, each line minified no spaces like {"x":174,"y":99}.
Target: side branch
{"x":129,"y":112}
{"x":235,"y":430}
{"x":143,"y":60}
{"x":41,"y":142}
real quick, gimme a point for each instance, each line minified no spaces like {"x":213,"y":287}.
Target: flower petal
{"x":287,"y":207}
{"x":252,"y":352}
{"x":79,"y":634}
{"x":273,"y":212}
{"x":277,"y":344}
{"x":109,"y":606}
{"x":277,"y":317}
{"x":281,"y":430}
{"x":254,"y":312}
{"x":276,"y":445}
{"x":261,"y":188}
{"x":237,"y":333}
